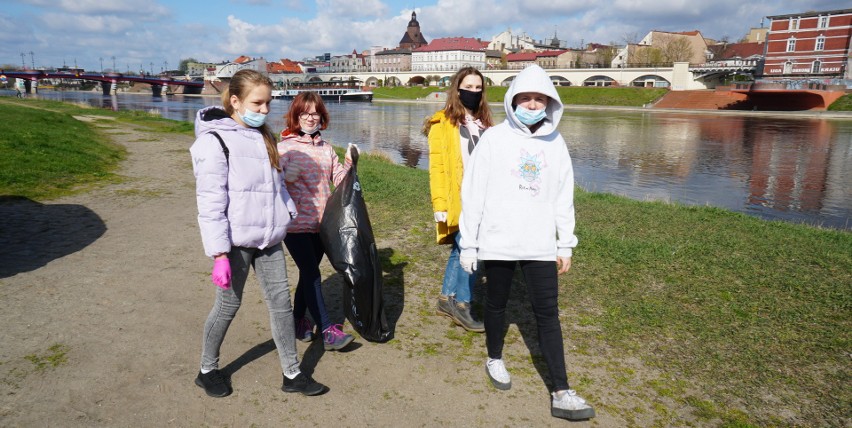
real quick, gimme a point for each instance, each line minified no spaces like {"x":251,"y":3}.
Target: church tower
{"x":413,"y":38}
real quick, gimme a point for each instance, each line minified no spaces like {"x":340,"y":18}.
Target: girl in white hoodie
{"x":518,"y":209}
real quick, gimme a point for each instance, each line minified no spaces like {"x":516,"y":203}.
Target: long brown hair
{"x":300,"y":105}
{"x":454,"y":110}
{"x":241,"y":84}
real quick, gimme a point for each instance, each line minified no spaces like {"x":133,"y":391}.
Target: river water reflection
{"x":797,"y":170}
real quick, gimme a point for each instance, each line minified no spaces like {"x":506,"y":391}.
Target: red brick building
{"x":809,"y":45}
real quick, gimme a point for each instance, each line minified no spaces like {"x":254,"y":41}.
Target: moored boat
{"x":334,"y":93}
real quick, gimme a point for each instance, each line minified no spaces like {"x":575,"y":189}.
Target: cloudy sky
{"x":134,"y":34}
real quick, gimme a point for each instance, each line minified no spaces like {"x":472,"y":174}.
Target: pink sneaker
{"x":304,"y":330}
{"x":334,"y":339}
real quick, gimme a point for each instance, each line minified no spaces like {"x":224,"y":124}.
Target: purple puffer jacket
{"x":241,"y":202}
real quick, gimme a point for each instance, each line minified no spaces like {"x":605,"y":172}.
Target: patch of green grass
{"x":54,"y":357}
{"x":572,"y":95}
{"x":46,"y":154}
{"x":843,"y":103}
{"x":405,"y":92}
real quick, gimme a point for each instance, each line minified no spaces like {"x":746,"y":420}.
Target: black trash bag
{"x":347,"y":236}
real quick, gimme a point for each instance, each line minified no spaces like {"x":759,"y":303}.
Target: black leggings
{"x":543,"y":289}
{"x":306,"y":250}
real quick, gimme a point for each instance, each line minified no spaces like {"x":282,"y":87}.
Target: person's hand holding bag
{"x":349,"y":151}
{"x":221,"y":275}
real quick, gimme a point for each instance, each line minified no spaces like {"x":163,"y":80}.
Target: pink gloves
{"x":221,"y":275}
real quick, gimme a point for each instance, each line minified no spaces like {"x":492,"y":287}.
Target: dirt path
{"x":105,"y":296}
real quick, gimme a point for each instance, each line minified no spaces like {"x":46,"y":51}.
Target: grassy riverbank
{"x":48,"y":153}
{"x":843,"y":103}
{"x":621,"y":97}
{"x":703,"y":316}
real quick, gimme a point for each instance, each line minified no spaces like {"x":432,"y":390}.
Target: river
{"x":791,"y":169}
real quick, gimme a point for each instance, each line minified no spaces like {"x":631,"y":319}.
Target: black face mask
{"x":470,"y":99}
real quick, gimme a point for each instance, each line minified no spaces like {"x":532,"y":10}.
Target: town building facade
{"x":392,"y":60}
{"x":449,"y":54}
{"x":809,"y":45}
{"x":659,"y":48}
{"x":350,"y":62}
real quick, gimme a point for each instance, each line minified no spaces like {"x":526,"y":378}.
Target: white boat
{"x":327,"y":92}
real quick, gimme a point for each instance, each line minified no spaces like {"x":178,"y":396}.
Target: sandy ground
{"x":104,"y":299}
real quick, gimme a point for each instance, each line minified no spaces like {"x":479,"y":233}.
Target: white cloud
{"x":130,"y":7}
{"x":351,"y":9}
{"x":105,"y":24}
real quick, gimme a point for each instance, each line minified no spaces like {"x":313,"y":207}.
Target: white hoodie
{"x":518,"y":189}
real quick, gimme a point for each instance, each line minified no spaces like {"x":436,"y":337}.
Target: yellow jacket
{"x":445,"y":173}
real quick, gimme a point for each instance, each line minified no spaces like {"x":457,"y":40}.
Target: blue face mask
{"x":253,"y":119}
{"x":529,"y":117}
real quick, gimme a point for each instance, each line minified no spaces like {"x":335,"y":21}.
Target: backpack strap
{"x":222,"y":143}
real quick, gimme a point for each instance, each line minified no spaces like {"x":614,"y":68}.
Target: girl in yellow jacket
{"x":453,"y":133}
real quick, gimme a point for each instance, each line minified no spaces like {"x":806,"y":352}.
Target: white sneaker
{"x":497,"y":373}
{"x":570,"y":406}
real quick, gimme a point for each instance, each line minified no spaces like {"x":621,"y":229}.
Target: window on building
{"x":791,"y":45}
{"x":823,"y":22}
{"x":795,"y":24}
{"x":816,"y":67}
{"x":820,"y":43}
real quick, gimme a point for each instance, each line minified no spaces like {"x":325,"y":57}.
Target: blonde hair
{"x":241,"y":84}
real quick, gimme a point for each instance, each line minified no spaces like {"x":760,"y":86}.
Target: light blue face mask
{"x":529,"y":117}
{"x":253,"y":119}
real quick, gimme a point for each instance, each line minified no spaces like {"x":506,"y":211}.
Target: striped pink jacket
{"x":319,"y":166}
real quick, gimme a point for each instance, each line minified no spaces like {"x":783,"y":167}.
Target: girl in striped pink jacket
{"x":310,"y":164}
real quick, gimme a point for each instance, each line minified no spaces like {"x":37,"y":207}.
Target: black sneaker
{"x":304,"y":384}
{"x":215,"y":384}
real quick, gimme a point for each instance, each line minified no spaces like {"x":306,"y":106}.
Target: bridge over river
{"x":678,"y":77}
{"x":109,"y":81}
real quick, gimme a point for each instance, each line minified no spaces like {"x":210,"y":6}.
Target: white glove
{"x":349,"y":150}
{"x":468,"y":264}
{"x":440,"y":217}
{"x":291,"y":172}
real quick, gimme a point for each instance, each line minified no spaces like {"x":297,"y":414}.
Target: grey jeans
{"x":271,"y":272}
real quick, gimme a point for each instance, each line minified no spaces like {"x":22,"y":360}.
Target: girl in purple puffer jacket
{"x":243,"y":213}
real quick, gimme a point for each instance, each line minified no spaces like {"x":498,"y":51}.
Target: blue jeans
{"x":271,"y":272}
{"x":457,"y":282}
{"x":306,"y":250}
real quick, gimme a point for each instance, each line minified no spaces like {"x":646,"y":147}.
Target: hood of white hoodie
{"x":534,"y":79}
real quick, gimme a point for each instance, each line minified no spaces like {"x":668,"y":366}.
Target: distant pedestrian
{"x":518,"y":209}
{"x":453,"y":133}
{"x":243,"y":213}
{"x":310,"y":165}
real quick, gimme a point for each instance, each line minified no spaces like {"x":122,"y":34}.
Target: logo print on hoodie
{"x":529,"y":169}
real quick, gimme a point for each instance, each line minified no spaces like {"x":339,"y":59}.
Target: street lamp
{"x":113,"y":65}
{"x":102,"y":64}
